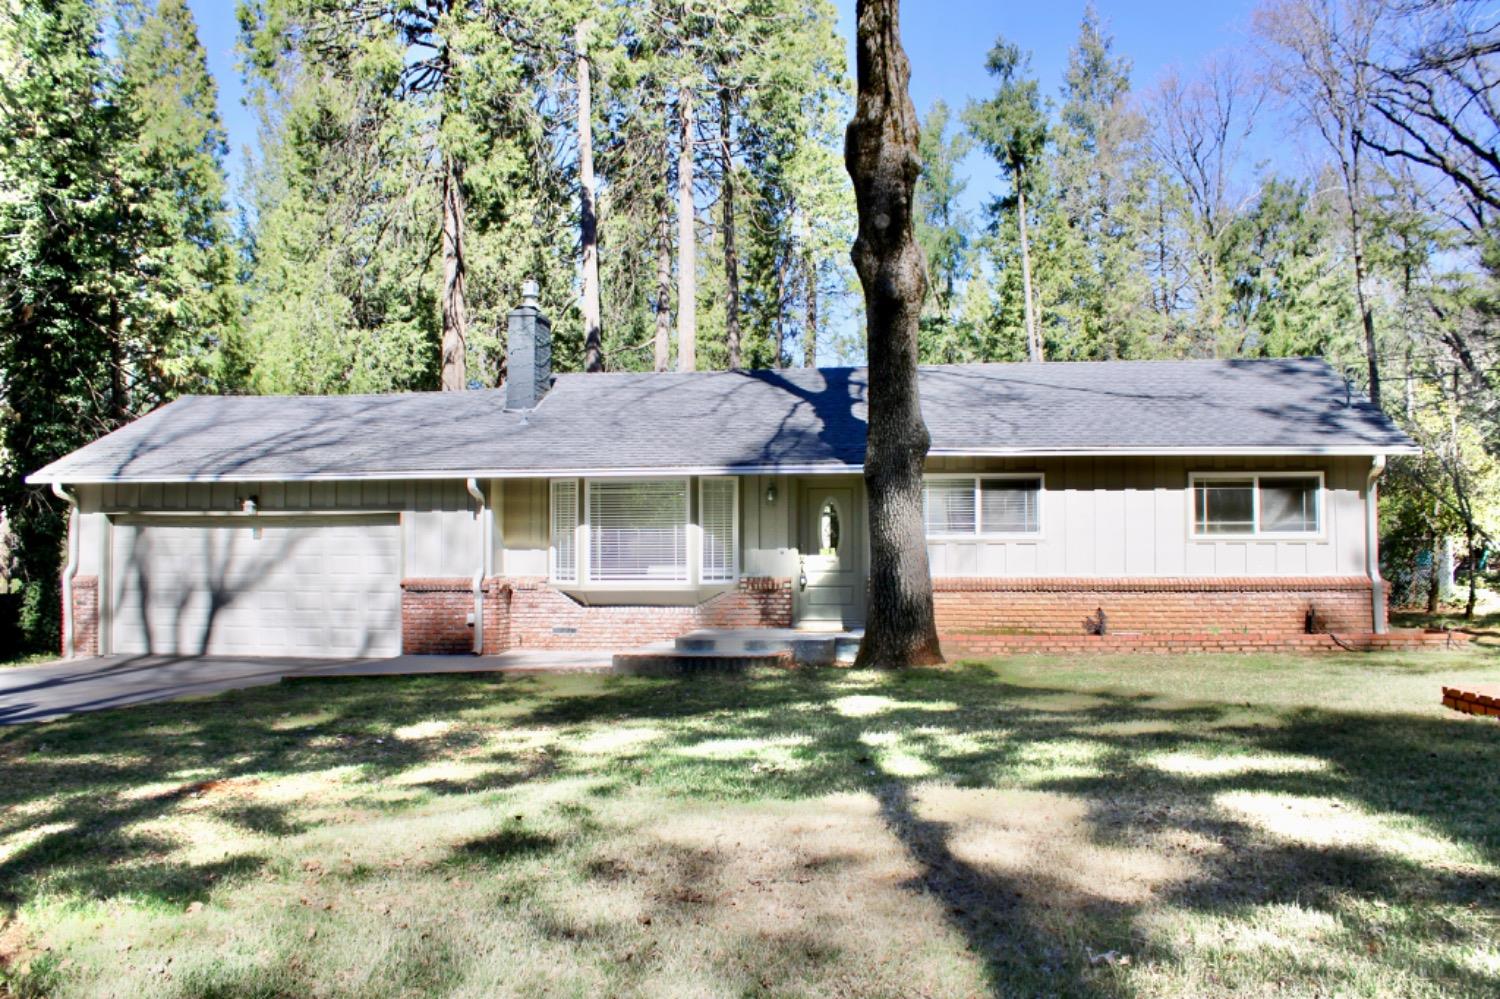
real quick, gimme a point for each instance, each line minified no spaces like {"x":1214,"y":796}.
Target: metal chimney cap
{"x":529,"y":294}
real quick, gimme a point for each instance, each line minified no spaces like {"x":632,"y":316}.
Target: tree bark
{"x":780,"y":325}
{"x":810,"y":330}
{"x":687,"y":241}
{"x":455,"y":316}
{"x":1434,"y":578}
{"x":880,"y":152}
{"x":1473,"y":572}
{"x":663,"y":339}
{"x":731,"y":257}
{"x":593,"y":339}
{"x":1033,"y":336}
{"x":119,"y":405}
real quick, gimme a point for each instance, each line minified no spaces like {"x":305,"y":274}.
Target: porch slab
{"x":807,"y":648}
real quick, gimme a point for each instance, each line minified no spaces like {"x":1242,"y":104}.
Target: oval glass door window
{"x":828,"y":529}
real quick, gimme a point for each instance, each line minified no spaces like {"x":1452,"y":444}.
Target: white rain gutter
{"x":1372,"y":547}
{"x":70,"y":570}
{"x":484,"y":561}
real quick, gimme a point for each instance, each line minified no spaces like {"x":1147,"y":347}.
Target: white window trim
{"x":584,"y":542}
{"x":980,"y":535}
{"x":734,"y":532}
{"x":1255,"y":533}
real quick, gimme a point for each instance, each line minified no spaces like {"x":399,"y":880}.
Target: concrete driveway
{"x":37,"y":693}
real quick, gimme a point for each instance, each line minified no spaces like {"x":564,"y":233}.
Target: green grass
{"x":1207,"y":826}
{"x":1447,"y":618}
{"x":28,"y":659}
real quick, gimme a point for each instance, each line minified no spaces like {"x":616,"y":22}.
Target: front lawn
{"x":1140,"y":826}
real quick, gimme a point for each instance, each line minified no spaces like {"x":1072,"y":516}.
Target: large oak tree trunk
{"x":593,"y":340}
{"x":687,"y":242}
{"x":880,"y":151}
{"x":455,"y":315}
{"x":731,"y":260}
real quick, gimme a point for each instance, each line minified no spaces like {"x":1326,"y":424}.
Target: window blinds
{"x":982,"y":506}
{"x":564,"y":530}
{"x":1008,"y":506}
{"x":717,"y":514}
{"x":638,"y":530}
{"x":948,"y":506}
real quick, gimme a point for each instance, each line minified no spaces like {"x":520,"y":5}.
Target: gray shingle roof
{"x":811,"y":419}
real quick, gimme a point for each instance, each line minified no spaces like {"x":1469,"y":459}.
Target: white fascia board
{"x":653,"y":471}
{"x":1351,"y":450}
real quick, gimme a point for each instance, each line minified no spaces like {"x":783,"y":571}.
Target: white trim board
{"x":827,"y":468}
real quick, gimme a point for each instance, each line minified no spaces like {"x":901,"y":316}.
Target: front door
{"x":831,"y":580}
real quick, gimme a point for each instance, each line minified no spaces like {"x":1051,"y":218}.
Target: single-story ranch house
{"x":1197,"y":503}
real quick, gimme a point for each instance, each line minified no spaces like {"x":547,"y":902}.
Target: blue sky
{"x":946,"y":41}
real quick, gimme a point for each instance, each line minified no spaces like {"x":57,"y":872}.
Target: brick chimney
{"x":529,"y":355}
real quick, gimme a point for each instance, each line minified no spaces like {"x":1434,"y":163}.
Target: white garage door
{"x":278,"y":587}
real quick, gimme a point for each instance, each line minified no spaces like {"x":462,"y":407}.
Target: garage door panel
{"x":301,"y":586}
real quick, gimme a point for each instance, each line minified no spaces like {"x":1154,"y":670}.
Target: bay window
{"x":637,"y":530}
{"x":641,"y":531}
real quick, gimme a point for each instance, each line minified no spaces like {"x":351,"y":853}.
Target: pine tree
{"x":942,"y":228}
{"x":1100,"y":204}
{"x":67,"y":227}
{"x":1012,"y":127}
{"x":186,"y":317}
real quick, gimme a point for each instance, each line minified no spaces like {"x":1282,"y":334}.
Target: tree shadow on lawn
{"x":78,"y":787}
{"x":1433,"y":771}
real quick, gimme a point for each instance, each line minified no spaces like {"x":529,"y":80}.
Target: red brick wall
{"x":544,"y":617}
{"x":435,"y":615}
{"x":972,"y":607}
{"x":85,"y":616}
{"x":530,"y":613}
{"x":973,"y":614}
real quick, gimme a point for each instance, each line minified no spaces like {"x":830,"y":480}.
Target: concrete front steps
{"x":713,"y":650}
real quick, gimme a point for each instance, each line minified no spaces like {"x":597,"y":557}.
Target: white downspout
{"x":482,"y":510}
{"x":1372,"y":546}
{"x":70,"y":570}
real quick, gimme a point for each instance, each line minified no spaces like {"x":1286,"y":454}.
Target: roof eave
{"x":47,"y":476}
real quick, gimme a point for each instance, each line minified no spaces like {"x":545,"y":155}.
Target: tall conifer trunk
{"x":687,"y":242}
{"x":663,"y":304}
{"x":880,"y":151}
{"x":1033,"y":335}
{"x":593,"y":339}
{"x":810,"y":329}
{"x":455,"y":314}
{"x":731,"y":259}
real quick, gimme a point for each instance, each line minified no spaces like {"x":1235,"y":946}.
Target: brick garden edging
{"x":1482,"y":701}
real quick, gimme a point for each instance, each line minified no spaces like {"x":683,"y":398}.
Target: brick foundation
{"x":435,"y":616}
{"x":1151,"y":606}
{"x":85,"y":616}
{"x":958,"y":646}
{"x":531,"y":613}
